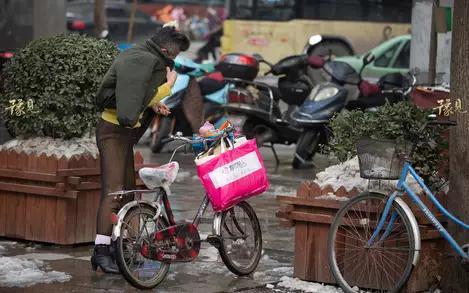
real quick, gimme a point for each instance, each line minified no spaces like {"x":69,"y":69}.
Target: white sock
{"x":102,"y":239}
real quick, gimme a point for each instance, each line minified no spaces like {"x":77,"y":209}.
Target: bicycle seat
{"x":159,"y":176}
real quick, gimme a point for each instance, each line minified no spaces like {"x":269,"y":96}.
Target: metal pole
{"x":131,"y":21}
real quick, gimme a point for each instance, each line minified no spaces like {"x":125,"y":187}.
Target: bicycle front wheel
{"x":241,"y":239}
{"x":382,"y":266}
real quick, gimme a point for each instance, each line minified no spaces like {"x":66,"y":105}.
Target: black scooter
{"x":330,"y":97}
{"x":253,"y":107}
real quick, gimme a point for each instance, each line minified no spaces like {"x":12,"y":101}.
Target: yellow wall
{"x":275,"y":40}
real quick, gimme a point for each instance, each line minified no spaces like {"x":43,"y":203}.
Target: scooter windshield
{"x":342,"y":72}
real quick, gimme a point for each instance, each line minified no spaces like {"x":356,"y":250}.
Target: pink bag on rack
{"x":233,"y":174}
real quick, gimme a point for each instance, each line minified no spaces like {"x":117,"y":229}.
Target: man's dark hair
{"x":168,"y":36}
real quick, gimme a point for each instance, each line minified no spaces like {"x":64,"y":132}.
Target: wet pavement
{"x":207,"y":273}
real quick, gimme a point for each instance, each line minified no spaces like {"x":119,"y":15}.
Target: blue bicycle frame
{"x":401,"y":187}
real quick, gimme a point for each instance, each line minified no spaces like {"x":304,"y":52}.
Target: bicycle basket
{"x":382,"y":159}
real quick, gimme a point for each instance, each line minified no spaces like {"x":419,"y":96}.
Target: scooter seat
{"x":209,"y":85}
{"x":160,"y":176}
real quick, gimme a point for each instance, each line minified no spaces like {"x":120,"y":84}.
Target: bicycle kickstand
{"x":465,"y":261}
{"x":277,"y":161}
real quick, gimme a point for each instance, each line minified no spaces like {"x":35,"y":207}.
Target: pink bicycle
{"x":149,"y":239}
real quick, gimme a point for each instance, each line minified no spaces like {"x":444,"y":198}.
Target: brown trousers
{"x":115,"y":145}
{"x":193,"y":105}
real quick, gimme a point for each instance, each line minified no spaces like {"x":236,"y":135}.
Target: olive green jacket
{"x":132,"y":81}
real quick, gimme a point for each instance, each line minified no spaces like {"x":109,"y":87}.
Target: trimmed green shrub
{"x":401,"y":121}
{"x":50,"y":85}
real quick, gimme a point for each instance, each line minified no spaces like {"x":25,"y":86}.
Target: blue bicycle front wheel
{"x":383,"y":265}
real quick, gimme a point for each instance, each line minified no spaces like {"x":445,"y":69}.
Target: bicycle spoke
{"x":390,"y":261}
{"x":354,"y":227}
{"x":355,"y":238}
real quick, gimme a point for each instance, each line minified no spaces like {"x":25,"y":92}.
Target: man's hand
{"x":171,"y":76}
{"x":161,"y":108}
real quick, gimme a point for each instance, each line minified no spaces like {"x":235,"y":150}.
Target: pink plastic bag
{"x":234,"y":175}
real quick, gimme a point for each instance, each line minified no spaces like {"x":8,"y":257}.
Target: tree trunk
{"x":455,"y":279}
{"x":100,"y":20}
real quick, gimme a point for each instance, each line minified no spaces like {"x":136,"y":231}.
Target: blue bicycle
{"x":374,"y":240}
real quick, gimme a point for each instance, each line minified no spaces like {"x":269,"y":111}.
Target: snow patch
{"x":270,"y":286}
{"x":266,"y":260}
{"x":85,"y":258}
{"x":347,"y":174}
{"x":8,"y":243}
{"x":45,"y":256}
{"x":171,"y":277}
{"x":264,"y":277}
{"x":331,"y":196}
{"x":297,"y":284}
{"x":17,"y":272}
{"x":283,"y":270}
{"x":281,"y":190}
{"x":210,"y":254}
{"x":50,"y":146}
{"x":5,"y":245}
{"x":202,"y":267}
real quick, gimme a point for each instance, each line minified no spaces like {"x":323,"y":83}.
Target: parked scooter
{"x":254,"y":107}
{"x":191,"y":102}
{"x":330,"y":97}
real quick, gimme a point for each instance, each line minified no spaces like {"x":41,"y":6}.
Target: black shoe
{"x":102,"y":258}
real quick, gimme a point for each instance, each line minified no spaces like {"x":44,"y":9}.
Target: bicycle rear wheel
{"x":383,"y":266}
{"x":137,"y":228}
{"x":241,"y":239}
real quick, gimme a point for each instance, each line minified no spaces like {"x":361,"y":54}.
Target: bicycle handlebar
{"x":189,"y":140}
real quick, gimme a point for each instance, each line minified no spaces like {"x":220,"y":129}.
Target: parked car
{"x":391,"y":56}
{"x":80,"y":18}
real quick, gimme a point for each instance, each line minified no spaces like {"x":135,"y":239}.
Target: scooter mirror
{"x":368,"y":58}
{"x":258,"y":57}
{"x":314,"y":40}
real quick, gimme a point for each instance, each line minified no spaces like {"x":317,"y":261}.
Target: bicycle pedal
{"x":214,"y":240}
